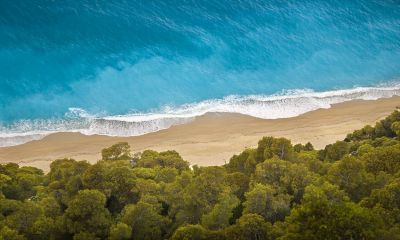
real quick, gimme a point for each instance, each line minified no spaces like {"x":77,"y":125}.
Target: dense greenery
{"x":349,"y":190}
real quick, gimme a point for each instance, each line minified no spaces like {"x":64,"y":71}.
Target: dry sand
{"x":210,"y":139}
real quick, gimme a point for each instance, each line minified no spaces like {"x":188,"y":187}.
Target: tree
{"x":350,"y":175}
{"x":396,"y":128}
{"x":50,"y":206}
{"x":383,"y":128}
{"x":310,"y":160}
{"x":367,"y":132}
{"x":9,"y":206}
{"x":45,"y":228}
{"x":386,"y":198}
{"x":170,"y":159}
{"x":308,"y":147}
{"x":115,"y":179}
{"x":295,"y":180}
{"x":364,"y":148}
{"x":385,"y":159}
{"x":19,"y":183}
{"x":271,"y":171}
{"x":239,"y":183}
{"x":190,"y":232}
{"x":4,"y":180}
{"x":222,"y":212}
{"x":299,"y":147}
{"x":334,"y":152}
{"x":120,"y":181}
{"x":145,"y":221}
{"x":249,"y":227}
{"x":65,"y":178}
{"x":120,"y":231}
{"x":265,"y":201}
{"x":118,"y":151}
{"x":147,"y":187}
{"x":245,"y":162}
{"x":270,"y":146}
{"x":85,"y":236}
{"x":7,"y":233}
{"x":86,"y":212}
{"x":24,"y":218}
{"x":200,"y":195}
{"x":167,"y":174}
{"x":327,"y":213}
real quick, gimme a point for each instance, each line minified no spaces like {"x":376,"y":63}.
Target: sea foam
{"x":280,"y":105}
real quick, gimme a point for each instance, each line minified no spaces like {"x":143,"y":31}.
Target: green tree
{"x":118,"y":151}
{"x":271,"y":171}
{"x":364,"y":148}
{"x":308,"y":147}
{"x":367,"y":132}
{"x":113,"y":178}
{"x":249,"y":227}
{"x":9,"y":206}
{"x":396,"y":128}
{"x":172,"y":159}
{"x":19,"y":183}
{"x":85,"y":236}
{"x":45,"y":228}
{"x":222,"y":212}
{"x":296,"y":179}
{"x":350,"y":175}
{"x":386,"y":198}
{"x":199,"y":195}
{"x":190,"y":232}
{"x":300,"y":147}
{"x":265,"y":201}
{"x":24,"y":218}
{"x":239,"y":183}
{"x":245,"y":162}
{"x":51,"y":207}
{"x":86,"y":212}
{"x":4,"y":180}
{"x":327,"y":213}
{"x":334,"y":152}
{"x":65,"y":178}
{"x":270,"y":146}
{"x":120,"y":231}
{"x":7,"y":233}
{"x":166,"y":174}
{"x":145,"y":221}
{"x":385,"y":159}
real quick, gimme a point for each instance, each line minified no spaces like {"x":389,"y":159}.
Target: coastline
{"x":210,"y":139}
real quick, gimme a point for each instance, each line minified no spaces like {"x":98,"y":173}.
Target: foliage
{"x":118,"y":151}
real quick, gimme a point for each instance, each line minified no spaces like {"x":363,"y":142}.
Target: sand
{"x":210,"y":139}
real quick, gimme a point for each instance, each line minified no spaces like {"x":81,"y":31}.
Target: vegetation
{"x":349,"y":190}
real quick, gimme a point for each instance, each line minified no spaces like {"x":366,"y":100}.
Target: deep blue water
{"x":118,"y":57}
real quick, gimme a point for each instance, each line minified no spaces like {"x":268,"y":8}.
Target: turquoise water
{"x":131,"y":67}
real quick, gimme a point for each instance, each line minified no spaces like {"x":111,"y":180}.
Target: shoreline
{"x":210,"y":139}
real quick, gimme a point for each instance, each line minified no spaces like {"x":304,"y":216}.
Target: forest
{"x":278,"y":190}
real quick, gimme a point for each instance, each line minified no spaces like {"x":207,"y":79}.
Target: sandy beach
{"x":210,"y":139}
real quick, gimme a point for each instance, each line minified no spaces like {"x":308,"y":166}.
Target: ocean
{"x":126,"y":68}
